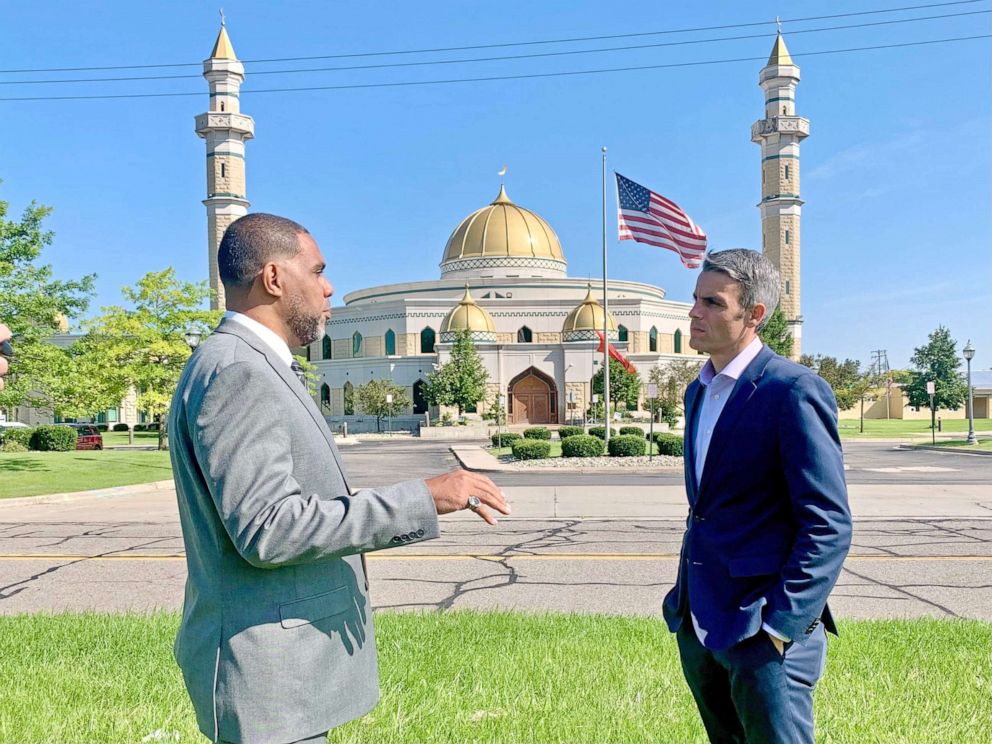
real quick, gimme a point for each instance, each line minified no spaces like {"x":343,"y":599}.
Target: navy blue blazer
{"x":769,"y":524}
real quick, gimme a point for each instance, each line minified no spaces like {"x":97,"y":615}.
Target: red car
{"x":88,"y":437}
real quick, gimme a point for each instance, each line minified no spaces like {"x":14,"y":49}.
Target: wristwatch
{"x":473,"y":503}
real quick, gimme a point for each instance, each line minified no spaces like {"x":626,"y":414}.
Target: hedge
{"x":52,"y":438}
{"x":12,"y":446}
{"x":633,"y":431}
{"x":537,"y":432}
{"x":21,"y":436}
{"x":506,"y":439}
{"x":101,"y":427}
{"x":600,"y":431}
{"x":531,"y":449}
{"x":582,"y":445}
{"x":627,"y":446}
{"x":121,"y":427}
{"x":668,"y":444}
{"x":564,"y":432}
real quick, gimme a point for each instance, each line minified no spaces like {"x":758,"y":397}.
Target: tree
{"x":845,"y":378}
{"x":462,"y":380}
{"x":938,"y":361}
{"x":143,"y":346}
{"x":32,"y":303}
{"x":776,"y":334}
{"x":372,"y":399}
{"x":672,"y":381}
{"x":625,"y":387}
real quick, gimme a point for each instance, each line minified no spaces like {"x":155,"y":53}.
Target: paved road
{"x":923,"y":543}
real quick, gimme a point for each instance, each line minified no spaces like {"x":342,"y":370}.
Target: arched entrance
{"x":533,"y":398}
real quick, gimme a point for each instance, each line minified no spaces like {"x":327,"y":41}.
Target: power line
{"x":507,"y":44}
{"x":535,"y":55}
{"x":570,"y":73}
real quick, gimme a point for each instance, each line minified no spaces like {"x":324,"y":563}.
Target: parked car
{"x":13,"y":425}
{"x":88,"y":437}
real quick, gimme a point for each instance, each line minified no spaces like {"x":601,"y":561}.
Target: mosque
{"x":503,"y":279}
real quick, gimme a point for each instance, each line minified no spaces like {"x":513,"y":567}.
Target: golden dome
{"x":61,"y":322}
{"x":583,"y":322}
{"x":503,"y":235}
{"x":467,"y":316}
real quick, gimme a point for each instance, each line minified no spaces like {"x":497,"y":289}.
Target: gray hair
{"x":756,"y":276}
{"x":252,"y":241}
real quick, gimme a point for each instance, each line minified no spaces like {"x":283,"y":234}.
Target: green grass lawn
{"x":38,"y":473}
{"x":983,"y":444}
{"x":498,"y":677}
{"x":119,"y":438}
{"x":895,"y":428}
{"x":555,"y":449}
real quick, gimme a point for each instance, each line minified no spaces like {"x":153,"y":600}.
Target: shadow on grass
{"x":19,"y":464}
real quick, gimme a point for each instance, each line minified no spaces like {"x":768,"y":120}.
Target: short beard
{"x":305,"y":326}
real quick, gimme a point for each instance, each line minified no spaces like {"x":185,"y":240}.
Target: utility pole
{"x":880,"y":367}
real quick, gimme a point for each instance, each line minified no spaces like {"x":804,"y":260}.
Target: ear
{"x":758,"y":313}
{"x":272,"y":280}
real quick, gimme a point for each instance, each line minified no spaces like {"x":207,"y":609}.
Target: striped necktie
{"x":298,"y":371}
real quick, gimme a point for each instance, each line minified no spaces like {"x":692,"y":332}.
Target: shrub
{"x":537,"y":432}
{"x":152,"y":426}
{"x":582,"y":445}
{"x":506,"y":437}
{"x":668,"y":444}
{"x":12,"y":446}
{"x":120,"y":427}
{"x":600,"y":431}
{"x":531,"y":449}
{"x":101,"y":427}
{"x":627,"y":446}
{"x":52,"y":438}
{"x":21,"y":436}
{"x":564,"y":432}
{"x":140,"y":427}
{"x":632,"y":431}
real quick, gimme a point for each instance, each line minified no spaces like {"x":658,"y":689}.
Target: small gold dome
{"x":467,"y":316}
{"x":61,"y":322}
{"x":588,"y":316}
{"x":503,"y":231}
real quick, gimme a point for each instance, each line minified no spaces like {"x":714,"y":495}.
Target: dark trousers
{"x":750,"y":693}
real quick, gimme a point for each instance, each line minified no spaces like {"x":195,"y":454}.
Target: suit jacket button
{"x":395,"y":539}
{"x":420,"y":533}
{"x":404,"y":538}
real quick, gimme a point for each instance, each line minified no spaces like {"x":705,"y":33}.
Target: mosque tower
{"x":226,"y":130}
{"x":779,"y":135}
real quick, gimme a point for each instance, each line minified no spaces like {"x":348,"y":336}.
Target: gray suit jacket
{"x":276,"y":641}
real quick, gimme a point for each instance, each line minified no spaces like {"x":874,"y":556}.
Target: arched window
{"x":325,"y":395}
{"x":356,"y":344}
{"x":622,"y":333}
{"x":427,"y":341}
{"x":524,"y":335}
{"x":349,"y":399}
{"x":420,"y":397}
{"x":678,"y":340}
{"x":653,"y":339}
{"x":325,"y":348}
{"x":390,"y":343}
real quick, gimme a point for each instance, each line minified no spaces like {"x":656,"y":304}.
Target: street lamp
{"x":969,"y":353}
{"x":192,"y":335}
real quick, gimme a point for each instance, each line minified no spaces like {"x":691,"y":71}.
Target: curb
{"x":954,"y":450}
{"x":99,"y":493}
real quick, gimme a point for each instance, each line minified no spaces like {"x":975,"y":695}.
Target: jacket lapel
{"x":692,"y":399}
{"x":725,"y":425}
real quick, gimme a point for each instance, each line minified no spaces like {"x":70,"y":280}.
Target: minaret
{"x":225,"y":129}
{"x":779,"y":135}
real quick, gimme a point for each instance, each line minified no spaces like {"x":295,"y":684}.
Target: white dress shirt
{"x":716,"y":390}
{"x":267,"y":335}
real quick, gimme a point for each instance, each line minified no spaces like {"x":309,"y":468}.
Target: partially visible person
{"x":276,"y":641}
{"x":5,"y":337}
{"x":769,"y":524}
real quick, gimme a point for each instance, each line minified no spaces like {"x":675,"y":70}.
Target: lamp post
{"x":192,"y":335}
{"x":969,"y":353}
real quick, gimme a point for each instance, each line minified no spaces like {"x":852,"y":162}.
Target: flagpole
{"x":606,"y":322}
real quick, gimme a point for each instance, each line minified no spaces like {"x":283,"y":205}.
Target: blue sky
{"x":896,"y":229}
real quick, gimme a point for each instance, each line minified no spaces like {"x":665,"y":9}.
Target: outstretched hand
{"x":452,"y":491}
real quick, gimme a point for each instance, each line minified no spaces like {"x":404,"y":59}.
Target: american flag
{"x":647,"y":217}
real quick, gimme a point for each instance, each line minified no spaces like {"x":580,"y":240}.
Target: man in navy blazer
{"x":769,"y":524}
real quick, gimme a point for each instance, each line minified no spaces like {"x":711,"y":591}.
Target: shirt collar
{"x":736,"y":366}
{"x":269,"y":337}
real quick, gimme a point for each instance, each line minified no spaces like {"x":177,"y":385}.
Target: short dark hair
{"x":252,"y":241}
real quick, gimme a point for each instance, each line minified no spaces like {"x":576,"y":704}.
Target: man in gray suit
{"x":276,"y":641}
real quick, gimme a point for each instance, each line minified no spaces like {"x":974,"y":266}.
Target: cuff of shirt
{"x":772,"y":632}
